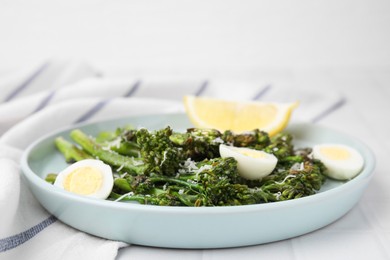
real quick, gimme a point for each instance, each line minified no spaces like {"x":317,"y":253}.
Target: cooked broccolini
{"x":168,"y":168}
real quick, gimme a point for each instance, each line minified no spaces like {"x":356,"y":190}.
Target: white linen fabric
{"x":57,"y":94}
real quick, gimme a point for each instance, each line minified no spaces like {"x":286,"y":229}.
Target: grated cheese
{"x":125,"y":195}
{"x":285,"y":178}
{"x":114,"y":143}
{"x":136,"y":162}
{"x":218,"y":140}
{"x":181,"y":171}
{"x":203,"y":168}
{"x":120,"y":168}
{"x":298,"y":167}
{"x":277,"y":195}
{"x":123,"y":175}
{"x":164,"y":158}
{"x":189,"y":166}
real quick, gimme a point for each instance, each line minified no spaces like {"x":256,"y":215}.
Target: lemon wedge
{"x":238,"y":116}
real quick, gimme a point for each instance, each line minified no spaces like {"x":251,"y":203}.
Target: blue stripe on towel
{"x":16,"y":240}
{"x":45,"y":101}
{"x":102,"y":103}
{"x":96,"y":108}
{"x":262,"y":92}
{"x":26,"y":83}
{"x":133,"y":89}
{"x":202,"y":88}
{"x":329,"y":110}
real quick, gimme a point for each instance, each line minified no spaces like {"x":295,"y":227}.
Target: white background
{"x":206,"y":38}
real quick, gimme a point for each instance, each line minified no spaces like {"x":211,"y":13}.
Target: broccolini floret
{"x":280,"y":145}
{"x":254,"y":139}
{"x":158,"y":152}
{"x":198,"y":144}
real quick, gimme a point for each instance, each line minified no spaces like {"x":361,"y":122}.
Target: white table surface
{"x":336,"y":45}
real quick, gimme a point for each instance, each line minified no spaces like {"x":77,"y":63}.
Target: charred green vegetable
{"x":168,"y":168}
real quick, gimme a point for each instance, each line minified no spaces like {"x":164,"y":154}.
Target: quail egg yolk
{"x":83,"y":180}
{"x":253,"y":154}
{"x":335,"y":153}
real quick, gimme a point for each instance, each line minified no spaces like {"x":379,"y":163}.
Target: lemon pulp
{"x":238,"y":116}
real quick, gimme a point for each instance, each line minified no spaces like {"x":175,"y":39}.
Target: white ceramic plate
{"x":204,"y":227}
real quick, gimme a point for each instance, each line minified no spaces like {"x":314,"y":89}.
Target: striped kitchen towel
{"x":57,"y":94}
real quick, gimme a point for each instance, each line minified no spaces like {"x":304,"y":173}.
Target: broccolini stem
{"x":108,"y":156}
{"x":130,"y":197}
{"x":162,"y":178}
{"x":122,"y":185}
{"x":71,"y":152}
{"x":127,"y":148}
{"x":51,"y":178}
{"x":188,"y":200}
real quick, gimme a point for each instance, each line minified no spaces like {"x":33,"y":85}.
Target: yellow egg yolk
{"x":253,"y":154}
{"x":335,"y":153}
{"x":84,"y":180}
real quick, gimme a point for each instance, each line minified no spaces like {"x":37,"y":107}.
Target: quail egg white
{"x":91,"y":178}
{"x":342,"y":162}
{"x":252,"y":164}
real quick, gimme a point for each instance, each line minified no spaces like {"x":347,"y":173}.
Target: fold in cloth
{"x":28,"y":229}
{"x":58,"y":94}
